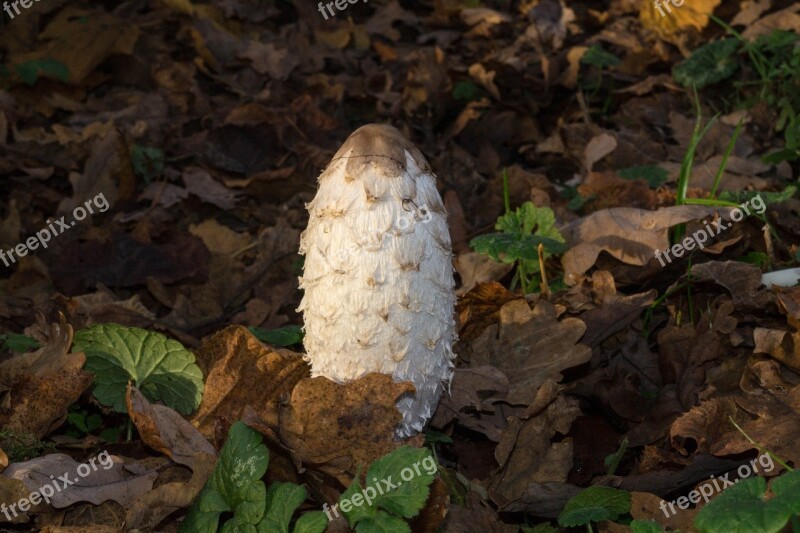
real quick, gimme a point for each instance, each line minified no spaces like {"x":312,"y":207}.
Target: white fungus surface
{"x":378,"y":278}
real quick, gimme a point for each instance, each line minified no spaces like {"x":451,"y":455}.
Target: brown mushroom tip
{"x":379,"y":144}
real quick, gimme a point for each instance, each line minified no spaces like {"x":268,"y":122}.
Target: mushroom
{"x":378,"y":276}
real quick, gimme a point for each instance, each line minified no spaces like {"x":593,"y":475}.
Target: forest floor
{"x":156,"y":159}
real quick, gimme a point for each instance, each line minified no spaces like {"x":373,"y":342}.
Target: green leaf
{"x":760,"y":259}
{"x":612,"y":461}
{"x":18,"y":343}
{"x":507,"y":248}
{"x":436,"y":437}
{"x":30,"y":71}
{"x":598,"y":57}
{"x":312,"y":522}
{"x":147,"y":162}
{"x":412,"y":470}
{"x":742,"y":508}
{"x":654,"y":175}
{"x":383,"y":523}
{"x":708,"y":64}
{"x":79,"y":421}
{"x":285,"y":336}
{"x":357,"y":510}
{"x":397,"y":483}
{"x":769,"y":198}
{"x":646,"y":526}
{"x":466,"y":90}
{"x":544,"y":527}
{"x":235,"y":486}
{"x":160,"y":367}
{"x":283,"y":499}
{"x":593,"y":505}
{"x":515,"y":241}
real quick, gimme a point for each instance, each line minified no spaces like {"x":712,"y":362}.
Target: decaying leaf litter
{"x":204,"y":126}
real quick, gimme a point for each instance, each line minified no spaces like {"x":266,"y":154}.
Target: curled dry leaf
{"x":40,"y":386}
{"x":480,"y":308}
{"x":334,"y":427}
{"x":103,"y":482}
{"x":702,"y":425}
{"x":631,"y":235}
{"x":776,"y":426}
{"x":242,"y":371}
{"x":784,"y":346}
{"x":742,"y":280}
{"x":166,"y":431}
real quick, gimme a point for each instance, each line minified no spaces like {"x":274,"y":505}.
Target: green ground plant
{"x":17,"y":343}
{"x":285,"y":336}
{"x":521,"y":233}
{"x":22,"y":446}
{"x":236,"y":495}
{"x":774,"y":58}
{"x":389,"y":510}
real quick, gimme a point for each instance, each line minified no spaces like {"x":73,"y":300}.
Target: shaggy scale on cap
{"x":378,"y":277}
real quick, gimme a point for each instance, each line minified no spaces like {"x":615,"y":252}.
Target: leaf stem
{"x":761,"y":448}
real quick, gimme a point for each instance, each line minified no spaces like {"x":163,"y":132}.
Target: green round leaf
{"x":708,"y":64}
{"x":160,"y":367}
{"x":595,"y":504}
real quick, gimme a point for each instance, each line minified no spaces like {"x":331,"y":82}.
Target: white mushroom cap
{"x":378,"y":279}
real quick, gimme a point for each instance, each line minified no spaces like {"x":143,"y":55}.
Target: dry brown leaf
{"x":528,"y":456}
{"x":333,"y":427}
{"x":750,"y":11}
{"x":784,"y":346}
{"x":742,"y":280}
{"x":475,"y":269}
{"x":608,"y":190}
{"x":201,"y":184}
{"x":220,"y":239}
{"x":775,"y":428}
{"x":475,"y":516}
{"x":81,"y":40}
{"x":242,"y":371}
{"x":166,"y":431}
{"x":40,"y":386}
{"x":480,"y":308}
{"x":692,"y":14}
{"x":103,"y":483}
{"x":703,"y":425}
{"x":630,"y":235}
{"x":267,"y":58}
{"x":785,"y":19}
{"x":646,"y":506}
{"x":530,"y":347}
{"x":474,"y":391}
{"x":597,"y":148}
{"x":82,"y":529}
